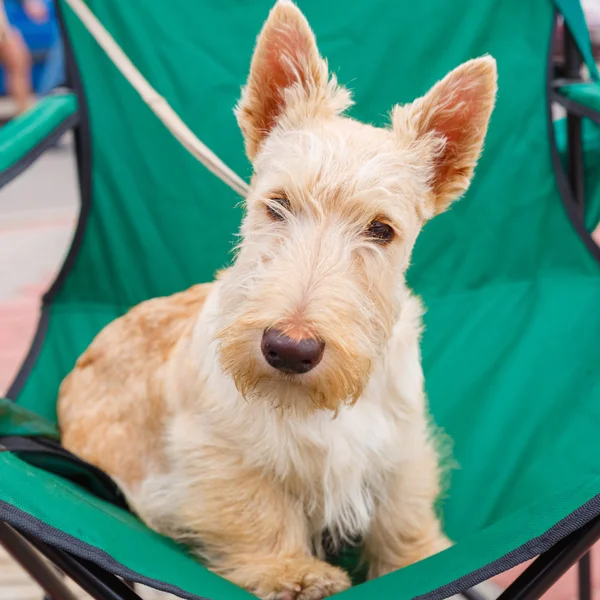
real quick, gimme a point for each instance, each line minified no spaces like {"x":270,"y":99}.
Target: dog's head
{"x":333,"y":212}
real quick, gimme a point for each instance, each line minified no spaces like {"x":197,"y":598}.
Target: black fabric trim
{"x":35,"y":450}
{"x":34,"y":153}
{"x":32,"y":355}
{"x":573,"y":211}
{"x":83,"y":152}
{"x":578,"y":519}
{"x":31,"y":525}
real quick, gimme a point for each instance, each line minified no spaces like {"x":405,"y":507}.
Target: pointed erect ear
{"x":452,"y":118}
{"x":287,"y":77}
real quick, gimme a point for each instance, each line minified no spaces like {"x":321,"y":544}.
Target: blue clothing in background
{"x":54,"y":71}
{"x":44,"y":38}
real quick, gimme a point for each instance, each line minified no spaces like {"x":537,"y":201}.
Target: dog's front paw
{"x":305,"y":579}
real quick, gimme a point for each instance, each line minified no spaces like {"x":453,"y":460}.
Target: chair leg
{"x":40,"y":571}
{"x":100,"y":584}
{"x":97,"y":582}
{"x":585,"y":577}
{"x":549,"y":567}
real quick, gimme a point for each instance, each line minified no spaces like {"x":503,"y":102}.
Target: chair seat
{"x":524,"y":431}
{"x":513,"y":376}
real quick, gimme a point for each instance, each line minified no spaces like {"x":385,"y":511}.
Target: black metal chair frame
{"x":550,"y":566}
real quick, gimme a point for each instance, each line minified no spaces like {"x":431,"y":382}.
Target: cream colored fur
{"x":249,"y":465}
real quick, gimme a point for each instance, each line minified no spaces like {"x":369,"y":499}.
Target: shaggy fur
{"x":249,"y":465}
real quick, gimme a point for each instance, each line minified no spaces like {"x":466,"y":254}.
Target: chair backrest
{"x":155,"y":221}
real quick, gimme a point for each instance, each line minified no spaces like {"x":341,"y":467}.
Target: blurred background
{"x":38,"y":212}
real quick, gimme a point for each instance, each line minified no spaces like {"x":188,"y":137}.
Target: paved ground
{"x":37,"y":216}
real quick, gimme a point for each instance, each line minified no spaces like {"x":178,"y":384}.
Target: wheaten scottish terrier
{"x":247,"y":416}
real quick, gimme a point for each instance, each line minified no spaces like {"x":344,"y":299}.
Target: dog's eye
{"x":276,"y":208}
{"x":380,"y":232}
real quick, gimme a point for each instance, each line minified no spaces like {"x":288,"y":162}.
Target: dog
{"x":246,"y":416}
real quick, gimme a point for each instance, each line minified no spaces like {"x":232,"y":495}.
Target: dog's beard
{"x":353,"y":318}
{"x":339,"y":378}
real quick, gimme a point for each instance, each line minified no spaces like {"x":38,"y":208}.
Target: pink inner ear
{"x":456,"y":117}
{"x":459,"y":115}
{"x":286,"y":58}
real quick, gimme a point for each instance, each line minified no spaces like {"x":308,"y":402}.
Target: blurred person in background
{"x":591,"y":9}
{"x":14,"y":53}
{"x":53,"y":74}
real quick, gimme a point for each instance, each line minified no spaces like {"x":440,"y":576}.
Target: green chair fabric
{"x":510,"y":349}
{"x":23,"y":134}
{"x":586,"y":93}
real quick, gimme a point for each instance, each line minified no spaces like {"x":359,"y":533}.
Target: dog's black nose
{"x":289,"y":355}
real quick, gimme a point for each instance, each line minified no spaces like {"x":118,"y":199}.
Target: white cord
{"x":155,"y":101}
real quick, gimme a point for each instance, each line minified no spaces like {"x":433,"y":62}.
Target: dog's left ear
{"x":451,"y":120}
{"x":288,"y":79}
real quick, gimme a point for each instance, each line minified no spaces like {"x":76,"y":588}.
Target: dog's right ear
{"x":288,"y":79}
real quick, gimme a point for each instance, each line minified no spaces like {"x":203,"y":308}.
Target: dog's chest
{"x":335,"y":466}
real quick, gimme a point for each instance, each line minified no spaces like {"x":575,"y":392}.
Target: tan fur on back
{"x":114,"y":399}
{"x":248,"y":416}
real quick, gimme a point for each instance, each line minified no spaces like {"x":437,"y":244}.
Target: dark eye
{"x":276,"y":208}
{"x":380,"y":232}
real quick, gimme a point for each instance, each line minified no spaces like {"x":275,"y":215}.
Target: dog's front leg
{"x":405,"y":527}
{"x":254,"y":534}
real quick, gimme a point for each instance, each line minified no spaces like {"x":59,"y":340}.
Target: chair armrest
{"x":25,"y":138}
{"x":35,"y":440}
{"x":16,"y":420}
{"x":584,"y":94}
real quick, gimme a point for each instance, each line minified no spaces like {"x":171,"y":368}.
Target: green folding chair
{"x":510,"y":277}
